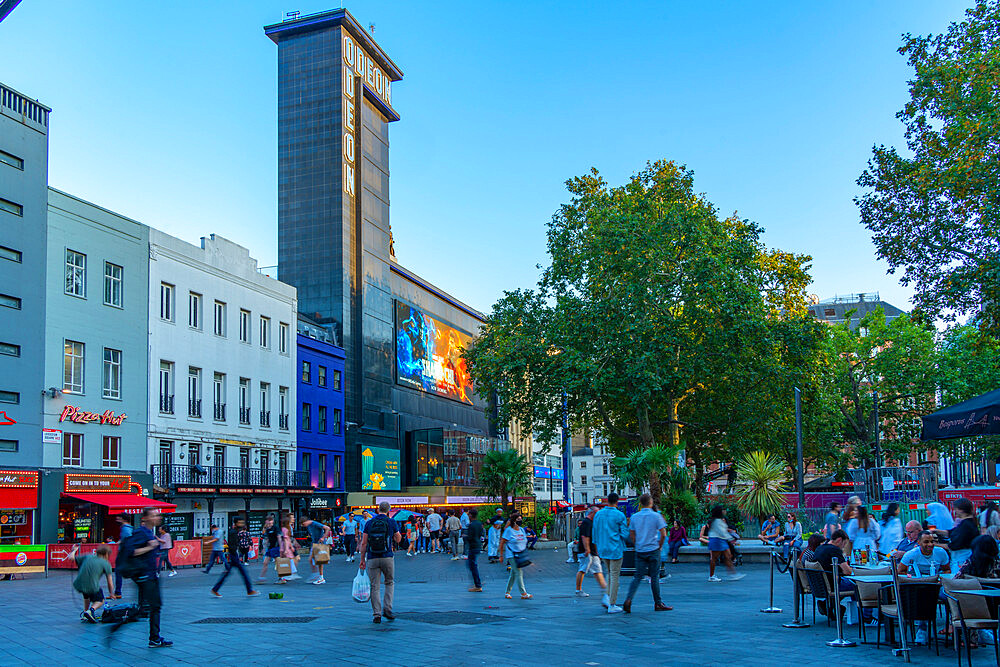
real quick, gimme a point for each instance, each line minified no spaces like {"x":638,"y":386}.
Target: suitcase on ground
{"x":121,"y":613}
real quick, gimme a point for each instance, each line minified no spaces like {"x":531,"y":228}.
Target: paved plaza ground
{"x":439,"y":623}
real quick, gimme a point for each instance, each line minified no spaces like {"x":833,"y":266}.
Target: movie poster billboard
{"x":429,"y":355}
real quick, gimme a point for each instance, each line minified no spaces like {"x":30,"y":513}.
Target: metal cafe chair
{"x":918,"y":599}
{"x":968,"y":614}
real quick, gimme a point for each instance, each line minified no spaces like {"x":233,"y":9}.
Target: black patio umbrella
{"x":976,"y":416}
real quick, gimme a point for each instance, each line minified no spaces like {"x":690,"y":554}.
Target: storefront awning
{"x":562,"y":503}
{"x":122,"y":502}
{"x":18,"y":499}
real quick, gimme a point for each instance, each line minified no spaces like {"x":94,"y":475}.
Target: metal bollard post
{"x":904,"y":647}
{"x":839,"y":641}
{"x":771,"y":609}
{"x":799,"y":622}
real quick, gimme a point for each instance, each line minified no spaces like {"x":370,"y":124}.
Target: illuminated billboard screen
{"x":429,"y":355}
{"x":379,"y":469}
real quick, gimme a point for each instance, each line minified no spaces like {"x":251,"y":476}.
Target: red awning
{"x":562,"y":503}
{"x":122,"y":502}
{"x":18,"y":499}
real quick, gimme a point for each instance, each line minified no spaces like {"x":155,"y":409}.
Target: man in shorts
{"x":88,"y":580}
{"x":271,"y":552}
{"x":434,"y":525}
{"x":590,"y":562}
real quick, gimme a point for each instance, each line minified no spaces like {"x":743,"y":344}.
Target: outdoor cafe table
{"x":887,"y":578}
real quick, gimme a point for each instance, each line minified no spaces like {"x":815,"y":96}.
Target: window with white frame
{"x":167,"y":302}
{"x":194,"y":310}
{"x":283,"y":408}
{"x":112,"y":285}
{"x":265,"y":403}
{"x":76,"y":273}
{"x":72,"y":449}
{"x":283,"y":337}
{"x":111,"y":451}
{"x":219,"y":396}
{"x":112,"y":376}
{"x":244,"y":326}
{"x":265,"y":331}
{"x":219,"y":325}
{"x":244,"y":400}
{"x":167,"y":387}
{"x":194,"y":392}
{"x":73,"y":367}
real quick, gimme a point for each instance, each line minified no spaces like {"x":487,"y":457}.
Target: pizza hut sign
{"x":78,"y":416}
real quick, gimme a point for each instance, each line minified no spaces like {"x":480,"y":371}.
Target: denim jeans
{"x":646,"y":563}
{"x":675,"y":547}
{"x":474,"y":569}
{"x":215,"y":557}
{"x":234,"y":561}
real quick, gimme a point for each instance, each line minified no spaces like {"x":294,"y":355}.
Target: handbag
{"x":520,"y":560}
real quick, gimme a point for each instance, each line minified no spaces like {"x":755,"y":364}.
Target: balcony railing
{"x":220,"y":412}
{"x":265,"y":418}
{"x":245,"y":415}
{"x":167,"y":475}
{"x":283,"y":422}
{"x":166,"y":404}
{"x":194,"y":408}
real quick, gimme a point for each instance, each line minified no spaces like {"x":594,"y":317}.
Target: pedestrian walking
{"x":318,"y":532}
{"x":590,"y":562}
{"x":647,"y":531}
{"x":377,"y":541}
{"x":493,"y":541}
{"x":125,"y":532}
{"x":473,"y":547}
{"x":411,"y":536}
{"x":166,"y":544}
{"x":454,"y":525}
{"x":141,"y":549}
{"x":269,"y":541}
{"x":513,"y":541}
{"x":349,"y":531}
{"x":464,"y":521}
{"x":91,"y":569}
{"x":289,"y":549}
{"x":218,"y":544}
{"x":434,"y":526}
{"x":245,"y":544}
{"x":610,"y":532}
{"x":719,"y":538}
{"x":235,"y":560}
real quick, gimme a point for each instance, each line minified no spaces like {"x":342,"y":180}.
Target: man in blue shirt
{"x":610,"y":532}
{"x":909,"y":542}
{"x":126,"y":532}
{"x":465,"y":533}
{"x":648,"y":530}
{"x":218,"y":546}
{"x":381,"y":533}
{"x":349,"y":531}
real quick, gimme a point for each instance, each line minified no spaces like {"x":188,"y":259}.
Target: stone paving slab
{"x":712,"y":624}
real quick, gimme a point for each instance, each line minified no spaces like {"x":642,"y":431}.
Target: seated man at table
{"x":770,"y":530}
{"x":909,"y":540}
{"x":926,"y":560}
{"x":825,"y":553}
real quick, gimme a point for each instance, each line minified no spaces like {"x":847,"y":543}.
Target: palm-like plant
{"x":654,"y":467}
{"x":765,"y":473}
{"x":503,"y":475}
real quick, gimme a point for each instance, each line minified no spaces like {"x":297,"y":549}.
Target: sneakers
{"x":714,"y":578}
{"x":615,"y":609}
{"x":570,"y":560}
{"x":253,"y":594}
{"x":89,"y":615}
{"x":582,"y":594}
{"x":159,"y":642}
{"x":735,"y":577}
{"x":294,"y":576}
{"x":319,"y":582}
{"x":173,"y":573}
{"x":456,"y":558}
{"x":216,"y":594}
{"x":605,"y":601}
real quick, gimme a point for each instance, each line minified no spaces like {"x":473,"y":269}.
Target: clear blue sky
{"x":165,"y":112}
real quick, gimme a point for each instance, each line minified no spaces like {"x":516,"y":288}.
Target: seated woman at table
{"x":863,"y":531}
{"x":770,"y":531}
{"x":960,"y":537}
{"x":926,"y":560}
{"x":809,"y":553}
{"x":984,"y":562}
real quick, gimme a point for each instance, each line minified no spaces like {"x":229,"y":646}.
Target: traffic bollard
{"x":839,"y":641}
{"x":771,"y":609}
{"x":799,"y":622}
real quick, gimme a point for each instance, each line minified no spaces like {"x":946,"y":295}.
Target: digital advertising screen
{"x":429,"y":355}
{"x":379,"y":469}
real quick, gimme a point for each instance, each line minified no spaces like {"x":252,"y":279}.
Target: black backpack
{"x":127,"y":563}
{"x":379,"y":532}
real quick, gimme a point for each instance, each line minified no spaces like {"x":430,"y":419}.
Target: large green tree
{"x":650,"y":299}
{"x":969,"y":363}
{"x":935,"y":211}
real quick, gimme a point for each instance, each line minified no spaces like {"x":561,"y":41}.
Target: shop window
{"x":111,"y":452}
{"x":72,"y":449}
{"x":8,"y":445}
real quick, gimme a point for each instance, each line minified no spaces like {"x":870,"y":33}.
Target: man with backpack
{"x":377,"y":540}
{"x":234,"y":560}
{"x":125,"y":526}
{"x":139,"y":562}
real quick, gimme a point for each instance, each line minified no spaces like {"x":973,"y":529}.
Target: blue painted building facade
{"x":320,"y":411}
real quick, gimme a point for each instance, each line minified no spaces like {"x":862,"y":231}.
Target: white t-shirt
{"x":515,"y":537}
{"x":919,"y":565}
{"x":434,"y":521}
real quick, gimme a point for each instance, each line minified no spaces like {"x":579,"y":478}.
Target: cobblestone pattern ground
{"x":439,"y":623}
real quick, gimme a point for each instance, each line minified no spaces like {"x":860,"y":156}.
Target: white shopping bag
{"x":362,"y":589}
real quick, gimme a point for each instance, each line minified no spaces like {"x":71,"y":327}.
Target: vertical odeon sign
{"x":358,"y":68}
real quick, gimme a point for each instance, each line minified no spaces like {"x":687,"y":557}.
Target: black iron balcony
{"x":166,"y":475}
{"x":220,"y":412}
{"x":283,"y":422}
{"x":265,"y":418}
{"x":166,"y":404}
{"x":194,"y":408}
{"x":245,"y":415}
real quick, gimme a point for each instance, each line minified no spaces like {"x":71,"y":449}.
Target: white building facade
{"x":222,"y":380}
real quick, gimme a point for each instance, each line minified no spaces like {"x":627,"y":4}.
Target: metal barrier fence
{"x":910,"y":484}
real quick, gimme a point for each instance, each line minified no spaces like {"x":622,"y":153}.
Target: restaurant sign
{"x":78,"y":416}
{"x":18,"y":479}
{"x":98,"y":483}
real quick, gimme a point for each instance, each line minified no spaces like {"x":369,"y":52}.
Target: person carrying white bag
{"x":377,"y":541}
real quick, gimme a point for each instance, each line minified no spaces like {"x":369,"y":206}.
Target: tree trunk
{"x":645,"y":430}
{"x":655,"y":489}
{"x":673,"y":429}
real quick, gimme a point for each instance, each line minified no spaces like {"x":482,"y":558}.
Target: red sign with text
{"x":78,"y":416}
{"x":97,"y":483}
